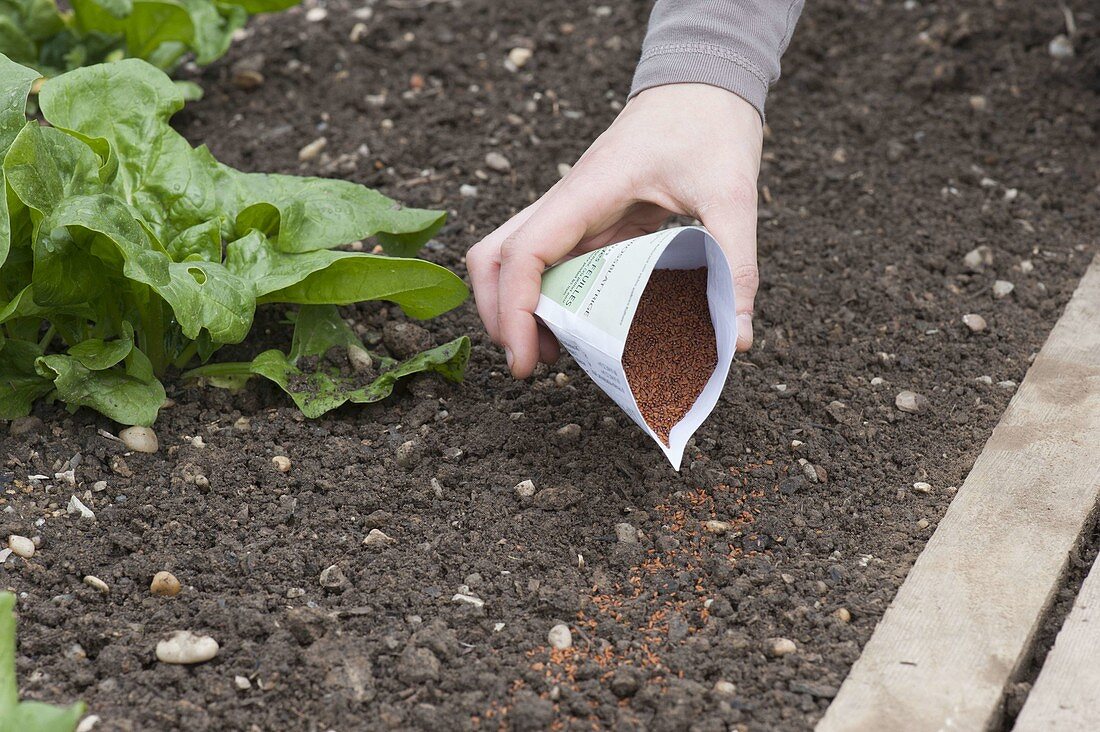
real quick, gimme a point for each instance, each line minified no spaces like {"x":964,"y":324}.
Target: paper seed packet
{"x":589,"y":304}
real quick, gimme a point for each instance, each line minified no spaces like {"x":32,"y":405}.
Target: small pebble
{"x":561,"y":379}
{"x":164,"y":584}
{"x":467,"y":191}
{"x":519,"y":57}
{"x":281,"y":463}
{"x":242,"y":683}
{"x":525,"y":489}
{"x":974,"y":322}
{"x":312,"y":150}
{"x":316,"y":15}
{"x":911,"y":402}
{"x":842,"y":614}
{"x":377,"y":537}
{"x":21,"y":546}
{"x":294,"y":593}
{"x":569,"y":433}
{"x":26,"y":426}
{"x":498,"y":162}
{"x":247,"y":79}
{"x":1026,"y":266}
{"x":923,"y":524}
{"x":77,"y":507}
{"x":1060,"y":47}
{"x":922,"y":487}
{"x":408,"y":454}
{"x":139,"y":439}
{"x":1008,"y":384}
{"x":978,"y":103}
{"x":724,"y":688}
{"x":777,"y":647}
{"x":987,"y":380}
{"x":96,"y":584}
{"x":185,"y":647}
{"x":360,"y":361}
{"x":1002,"y":288}
{"x":88,"y":723}
{"x":716,"y":527}
{"x":333,"y":577}
{"x":467,"y":599}
{"x":560,"y":637}
{"x":978,"y":259}
{"x":626,"y":534}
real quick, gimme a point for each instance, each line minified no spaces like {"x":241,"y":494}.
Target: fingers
{"x":483,"y":264}
{"x":731,"y":220}
{"x":563,"y":218}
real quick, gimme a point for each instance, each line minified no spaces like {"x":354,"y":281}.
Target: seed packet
{"x":590,"y":303}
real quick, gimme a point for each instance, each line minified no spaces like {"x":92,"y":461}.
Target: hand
{"x":688,"y":149}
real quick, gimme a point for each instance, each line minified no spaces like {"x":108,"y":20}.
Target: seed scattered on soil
{"x":96,"y":584}
{"x":911,"y":402}
{"x":974,"y":322}
{"x":1002,"y":289}
{"x":164,"y":584}
{"x":560,"y":637}
{"x":185,"y":647}
{"x":525,"y":489}
{"x":21,"y":546}
{"x":670,"y":351}
{"x":281,"y":463}
{"x":378,"y":538}
{"x":777,"y":647}
{"x":498,"y":162}
{"x":139,"y":439}
{"x":842,"y":614}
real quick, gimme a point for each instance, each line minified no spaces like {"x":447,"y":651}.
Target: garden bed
{"x":901,"y":140}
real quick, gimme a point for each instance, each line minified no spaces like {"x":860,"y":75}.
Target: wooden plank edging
{"x":1066,"y":696}
{"x":964,"y":619}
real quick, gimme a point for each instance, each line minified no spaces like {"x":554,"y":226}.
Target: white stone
{"x":96,"y":584}
{"x":377,"y":537}
{"x":467,"y":191}
{"x":911,"y":402}
{"x":316,"y":15}
{"x":281,"y":463}
{"x":21,"y":546}
{"x":88,"y":723}
{"x":519,"y":57}
{"x":922,"y":487}
{"x":626,"y":534}
{"x":468,"y":599}
{"x":716,"y":527}
{"x":560,"y":637}
{"x":312,"y":150}
{"x":724,"y":688}
{"x":974,"y":322}
{"x":242,"y":683}
{"x":76,"y":506}
{"x":777,"y":647}
{"x":1002,"y":288}
{"x":139,"y":439}
{"x":498,"y":162}
{"x":359,"y":359}
{"x":185,"y":647}
{"x":1060,"y":47}
{"x":525,"y":488}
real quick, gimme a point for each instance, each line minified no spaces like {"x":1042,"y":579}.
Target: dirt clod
{"x":670,"y":351}
{"x":405,"y":339}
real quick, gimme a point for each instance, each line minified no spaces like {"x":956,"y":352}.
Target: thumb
{"x":733,"y":225}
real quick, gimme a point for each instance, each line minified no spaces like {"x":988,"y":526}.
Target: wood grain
{"x":965,"y":617}
{"x":1066,"y":696}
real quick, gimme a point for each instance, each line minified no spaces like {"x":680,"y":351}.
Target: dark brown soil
{"x":881,"y":171}
{"x":670,"y":352}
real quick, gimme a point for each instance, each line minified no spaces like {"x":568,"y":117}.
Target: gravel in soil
{"x":670,"y":351}
{"x":901,"y":139}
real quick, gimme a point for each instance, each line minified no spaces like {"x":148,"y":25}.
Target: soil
{"x":670,"y":351}
{"x":899,"y":140}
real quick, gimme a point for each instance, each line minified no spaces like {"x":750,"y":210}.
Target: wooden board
{"x":1066,"y":696}
{"x":965,"y":617}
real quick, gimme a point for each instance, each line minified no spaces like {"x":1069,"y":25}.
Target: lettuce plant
{"x":28,"y":716}
{"x":125,"y":252}
{"x":40,"y":34}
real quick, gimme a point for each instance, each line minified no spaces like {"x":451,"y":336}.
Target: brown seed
{"x":165,"y":584}
{"x":670,"y":351}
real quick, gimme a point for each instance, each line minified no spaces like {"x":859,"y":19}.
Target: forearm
{"x":733,"y":44}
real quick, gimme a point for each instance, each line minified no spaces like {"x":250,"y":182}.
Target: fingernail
{"x":508,"y":356}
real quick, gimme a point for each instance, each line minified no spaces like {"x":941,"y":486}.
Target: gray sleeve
{"x":733,"y":44}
